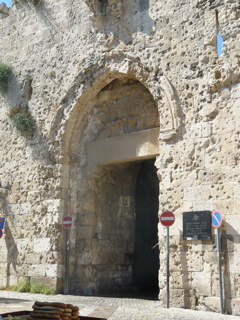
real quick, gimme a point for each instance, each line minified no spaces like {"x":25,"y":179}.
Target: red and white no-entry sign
{"x":167,"y":218}
{"x":67,"y":222}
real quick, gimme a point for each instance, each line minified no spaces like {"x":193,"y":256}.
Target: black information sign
{"x":197,"y":225}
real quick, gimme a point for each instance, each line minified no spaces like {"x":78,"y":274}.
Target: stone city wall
{"x":91,"y":70}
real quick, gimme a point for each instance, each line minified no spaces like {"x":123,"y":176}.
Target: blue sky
{"x":219,"y":44}
{"x":8,"y":2}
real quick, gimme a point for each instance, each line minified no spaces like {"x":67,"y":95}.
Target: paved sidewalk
{"x":109,"y":308}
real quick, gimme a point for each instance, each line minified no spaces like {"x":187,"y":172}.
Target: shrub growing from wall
{"x":5,"y":77}
{"x":22,"y":120}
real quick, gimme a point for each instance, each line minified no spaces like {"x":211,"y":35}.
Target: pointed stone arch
{"x":91,"y":204}
{"x":77,"y":101}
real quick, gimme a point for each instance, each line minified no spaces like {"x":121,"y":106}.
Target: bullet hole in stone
{"x":193,"y":66}
{"x":218,"y":75}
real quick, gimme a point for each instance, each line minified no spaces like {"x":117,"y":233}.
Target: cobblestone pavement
{"x":109,"y":308}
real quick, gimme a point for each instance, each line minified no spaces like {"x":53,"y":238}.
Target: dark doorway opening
{"x":146,"y":254}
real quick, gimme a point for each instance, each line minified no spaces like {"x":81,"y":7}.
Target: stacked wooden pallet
{"x":53,"y":311}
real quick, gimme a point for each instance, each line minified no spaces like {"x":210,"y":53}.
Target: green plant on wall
{"x":33,"y":287}
{"x":5,"y":77}
{"x":22,"y":120}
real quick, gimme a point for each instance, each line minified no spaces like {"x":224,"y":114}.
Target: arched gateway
{"x":109,"y":125}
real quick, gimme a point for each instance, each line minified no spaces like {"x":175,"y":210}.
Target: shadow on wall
{"x":230,"y":239}
{"x":188,"y":301}
{"x":19,"y":96}
{"x":140,"y":22}
{"x":115,"y":22}
{"x":12,"y":255}
{"x":119,"y":21}
{"x":11,"y":246}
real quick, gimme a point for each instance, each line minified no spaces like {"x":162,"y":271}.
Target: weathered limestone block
{"x":229,"y":282}
{"x":212,"y":303}
{"x":201,"y":283}
{"x":3,"y":282}
{"x":12,"y":280}
{"x":41,"y":244}
{"x":236,"y":306}
{"x":22,"y":271}
{"x":210,"y":27}
{"x":23,"y":245}
{"x":54,"y":270}
{"x":54,"y":207}
{"x":181,"y":280}
{"x":36,"y":270}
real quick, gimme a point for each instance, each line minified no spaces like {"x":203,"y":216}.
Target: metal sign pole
{"x":167,"y":219}
{"x":216,"y":223}
{"x":219,"y":269}
{"x":67,"y":262}
{"x":167,"y":258}
{"x":67,"y":250}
